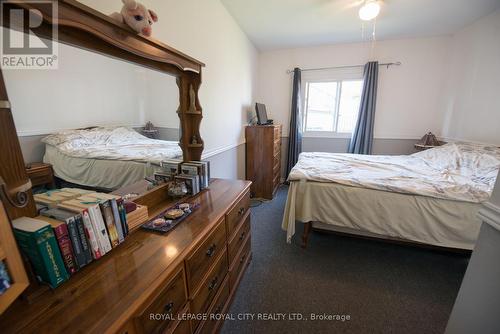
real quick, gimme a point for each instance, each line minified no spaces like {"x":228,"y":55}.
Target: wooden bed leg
{"x":305,"y":236}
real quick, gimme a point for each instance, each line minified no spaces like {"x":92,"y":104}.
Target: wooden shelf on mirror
{"x":79,"y":23}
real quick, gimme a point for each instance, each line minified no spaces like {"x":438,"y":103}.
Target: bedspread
{"x":117,"y":143}
{"x":456,"y":171}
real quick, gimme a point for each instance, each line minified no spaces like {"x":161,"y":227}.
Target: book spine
{"x":75,"y":242}
{"x":51,"y":257}
{"x":107,"y":215}
{"x":123,"y":215}
{"x":97,"y":230}
{"x":117,"y":220}
{"x":91,"y":235}
{"x":101,"y":226}
{"x":83,"y":239}
{"x":27,"y":244}
{"x":62,"y":237}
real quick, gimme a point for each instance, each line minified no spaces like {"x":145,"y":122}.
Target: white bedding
{"x":456,"y":171}
{"x":113,"y":143}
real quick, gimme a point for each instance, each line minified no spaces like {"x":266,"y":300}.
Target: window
{"x":331,"y":106}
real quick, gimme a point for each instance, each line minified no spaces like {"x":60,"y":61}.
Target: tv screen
{"x":260,"y":108}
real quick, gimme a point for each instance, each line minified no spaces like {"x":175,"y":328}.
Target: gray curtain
{"x":295,"y":136}
{"x":362,"y":136}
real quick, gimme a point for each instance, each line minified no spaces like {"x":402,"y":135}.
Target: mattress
{"x":423,"y":219}
{"x":101,"y":173}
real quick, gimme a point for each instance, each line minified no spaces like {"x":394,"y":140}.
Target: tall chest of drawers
{"x":263,"y":159}
{"x":180,"y":282}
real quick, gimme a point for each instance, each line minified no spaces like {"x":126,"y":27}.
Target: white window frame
{"x":334,"y":75}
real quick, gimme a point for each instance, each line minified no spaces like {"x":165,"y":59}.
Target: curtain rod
{"x":346,"y":66}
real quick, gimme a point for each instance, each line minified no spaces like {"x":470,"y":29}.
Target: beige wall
{"x":408,"y":95}
{"x":472,"y":102}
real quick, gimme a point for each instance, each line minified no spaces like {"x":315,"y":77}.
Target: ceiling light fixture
{"x":369,"y":10}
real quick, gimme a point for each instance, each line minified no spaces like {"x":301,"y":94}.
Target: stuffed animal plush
{"x":136,"y":16}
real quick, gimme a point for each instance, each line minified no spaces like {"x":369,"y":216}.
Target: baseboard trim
{"x":380,"y":137}
{"x":490,"y":214}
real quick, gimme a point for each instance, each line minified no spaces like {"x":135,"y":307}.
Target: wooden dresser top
{"x":103,"y":295}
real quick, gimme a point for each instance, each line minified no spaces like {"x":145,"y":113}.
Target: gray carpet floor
{"x":382,"y":287}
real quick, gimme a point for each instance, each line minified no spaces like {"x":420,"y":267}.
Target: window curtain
{"x":362,"y":136}
{"x":295,"y":136}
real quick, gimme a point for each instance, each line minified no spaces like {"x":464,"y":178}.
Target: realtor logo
{"x":21,"y":45}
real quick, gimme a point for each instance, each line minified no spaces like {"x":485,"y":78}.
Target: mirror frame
{"x":86,"y":28}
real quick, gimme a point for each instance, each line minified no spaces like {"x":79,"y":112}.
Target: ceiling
{"x":278,"y":24}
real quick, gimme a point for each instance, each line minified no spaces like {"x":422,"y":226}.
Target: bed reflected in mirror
{"x":100,"y":122}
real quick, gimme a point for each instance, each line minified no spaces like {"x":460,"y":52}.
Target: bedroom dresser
{"x":263,"y":159}
{"x":154,"y":283}
{"x":151,"y":283}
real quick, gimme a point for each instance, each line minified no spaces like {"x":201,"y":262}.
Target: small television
{"x":261,"y":111}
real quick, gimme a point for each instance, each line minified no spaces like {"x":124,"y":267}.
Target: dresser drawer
{"x":233,"y":218}
{"x":204,"y":256}
{"x":277,"y":133}
{"x":169,"y":301}
{"x":238,"y":238}
{"x":206,"y":294}
{"x":239,"y":264}
{"x":276,"y":170}
{"x":128,"y":328}
{"x":276,"y":148}
{"x":183,"y":327}
{"x":216,"y":309}
{"x":276,"y":180}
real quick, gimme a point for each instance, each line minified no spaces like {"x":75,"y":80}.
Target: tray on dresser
{"x":167,"y":227}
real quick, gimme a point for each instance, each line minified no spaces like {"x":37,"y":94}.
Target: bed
{"x":431,"y":197}
{"x":106,"y":157}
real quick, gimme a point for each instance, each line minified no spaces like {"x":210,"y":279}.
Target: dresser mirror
{"x":94,"y":114}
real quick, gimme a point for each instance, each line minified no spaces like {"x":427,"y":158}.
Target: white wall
{"x":408,"y":102}
{"x":202,"y":29}
{"x":207,"y":32}
{"x":87,"y":90}
{"x":472,"y":99}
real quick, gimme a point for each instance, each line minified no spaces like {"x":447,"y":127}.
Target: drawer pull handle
{"x":168,"y":307}
{"x":211,"y":250}
{"x":240,"y":211}
{"x":213,"y":284}
{"x":242,"y":235}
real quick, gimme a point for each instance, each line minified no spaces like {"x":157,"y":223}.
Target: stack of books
{"x":37,"y":241}
{"x":195,"y":174}
{"x":137,"y":217}
{"x":78,"y":230}
{"x":52,"y":198}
